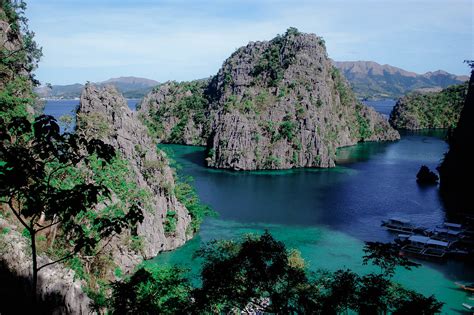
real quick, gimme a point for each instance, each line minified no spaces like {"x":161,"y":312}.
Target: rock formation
{"x":103,"y":114}
{"x":426,"y":177}
{"x":281,"y":104}
{"x":419,"y":110}
{"x":58,"y":289}
{"x":456,"y":171}
{"x":176,"y":112}
{"x":276,"y":105}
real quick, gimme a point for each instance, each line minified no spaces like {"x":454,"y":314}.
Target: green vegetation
{"x":170,"y":222}
{"x":187,"y":195}
{"x":345,"y":94}
{"x":184,"y":102}
{"x":364,"y":129}
{"x":429,"y":110}
{"x":273,"y":62}
{"x":259,"y":272}
{"x":152,"y":289}
{"x":18,"y":58}
{"x":287,"y":128}
{"x":45,"y":186}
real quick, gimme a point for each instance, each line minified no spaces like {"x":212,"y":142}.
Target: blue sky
{"x":182,"y":40}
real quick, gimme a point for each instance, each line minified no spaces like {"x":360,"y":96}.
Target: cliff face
{"x":58,"y":289}
{"x":273,"y":105}
{"x":176,"y":112}
{"x":429,"y":110}
{"x":103,"y":113}
{"x":281,"y":104}
{"x":456,"y":171}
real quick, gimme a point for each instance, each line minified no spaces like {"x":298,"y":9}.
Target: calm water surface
{"x":328,"y":213}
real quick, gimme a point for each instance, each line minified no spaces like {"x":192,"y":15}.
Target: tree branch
{"x":58,"y":261}
{"x":17,"y":215}
{"x":46,"y":226}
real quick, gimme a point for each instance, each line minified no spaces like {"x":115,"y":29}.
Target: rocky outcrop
{"x":281,"y":104}
{"x":423,"y":110}
{"x":103,"y":113}
{"x":58,"y":289}
{"x":176,"y":112}
{"x":456,"y":171}
{"x":273,"y":105}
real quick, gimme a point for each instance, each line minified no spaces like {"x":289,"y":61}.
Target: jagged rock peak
{"x":176,"y":112}
{"x":281,"y":104}
{"x":103,"y":113}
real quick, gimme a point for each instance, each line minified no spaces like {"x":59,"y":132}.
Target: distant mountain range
{"x":130,"y":87}
{"x":371,"y":80}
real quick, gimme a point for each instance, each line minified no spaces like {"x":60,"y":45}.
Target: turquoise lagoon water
{"x":325,"y":213}
{"x":328,"y":213}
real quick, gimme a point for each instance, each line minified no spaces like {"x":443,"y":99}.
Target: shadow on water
{"x":360,"y":152}
{"x":196,"y":157}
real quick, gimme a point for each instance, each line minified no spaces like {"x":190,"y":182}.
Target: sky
{"x":94,"y":40}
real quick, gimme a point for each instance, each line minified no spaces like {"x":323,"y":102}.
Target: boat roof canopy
{"x":427,"y":241}
{"x":399,"y":220}
{"x":452,"y":225}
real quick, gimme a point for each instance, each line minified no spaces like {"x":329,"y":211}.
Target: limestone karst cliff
{"x":176,"y":112}
{"x":273,"y":105}
{"x":103,"y":114}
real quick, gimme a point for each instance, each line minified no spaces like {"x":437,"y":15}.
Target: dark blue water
{"x":382,"y":106}
{"x":58,"y":108}
{"x":328,"y":213}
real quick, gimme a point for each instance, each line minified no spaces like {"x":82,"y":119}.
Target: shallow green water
{"x":327,"y":214}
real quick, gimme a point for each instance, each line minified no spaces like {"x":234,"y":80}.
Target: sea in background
{"x":326,"y":213}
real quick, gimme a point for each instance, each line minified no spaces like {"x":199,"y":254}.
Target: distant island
{"x":370,"y":80}
{"x":422,"y":110}
{"x":130,"y":87}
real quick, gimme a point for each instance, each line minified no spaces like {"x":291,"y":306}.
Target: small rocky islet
{"x":275,"y":104}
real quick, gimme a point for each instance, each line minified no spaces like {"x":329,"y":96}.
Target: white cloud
{"x":189,"y":39}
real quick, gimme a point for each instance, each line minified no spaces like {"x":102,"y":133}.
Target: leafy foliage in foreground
{"x":42,"y":184}
{"x":259,"y":273}
{"x":19,"y":56}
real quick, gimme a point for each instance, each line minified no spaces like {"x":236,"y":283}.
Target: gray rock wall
{"x":297,"y":120}
{"x":150,"y":170}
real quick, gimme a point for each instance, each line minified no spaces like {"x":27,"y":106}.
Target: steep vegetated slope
{"x":177,"y":112}
{"x":275,"y":105}
{"x":419,"y":110}
{"x":371,"y":80}
{"x":103,"y":114}
{"x":456,"y":171}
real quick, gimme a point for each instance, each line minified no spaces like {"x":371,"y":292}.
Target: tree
{"x":45,"y":183}
{"x":387,"y":257}
{"x":152,"y":290}
{"x":256,"y":272}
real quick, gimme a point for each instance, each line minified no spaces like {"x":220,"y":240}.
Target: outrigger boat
{"x":448,"y":232}
{"x":423,"y":246}
{"x":468,"y":287}
{"x":402,"y":226}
